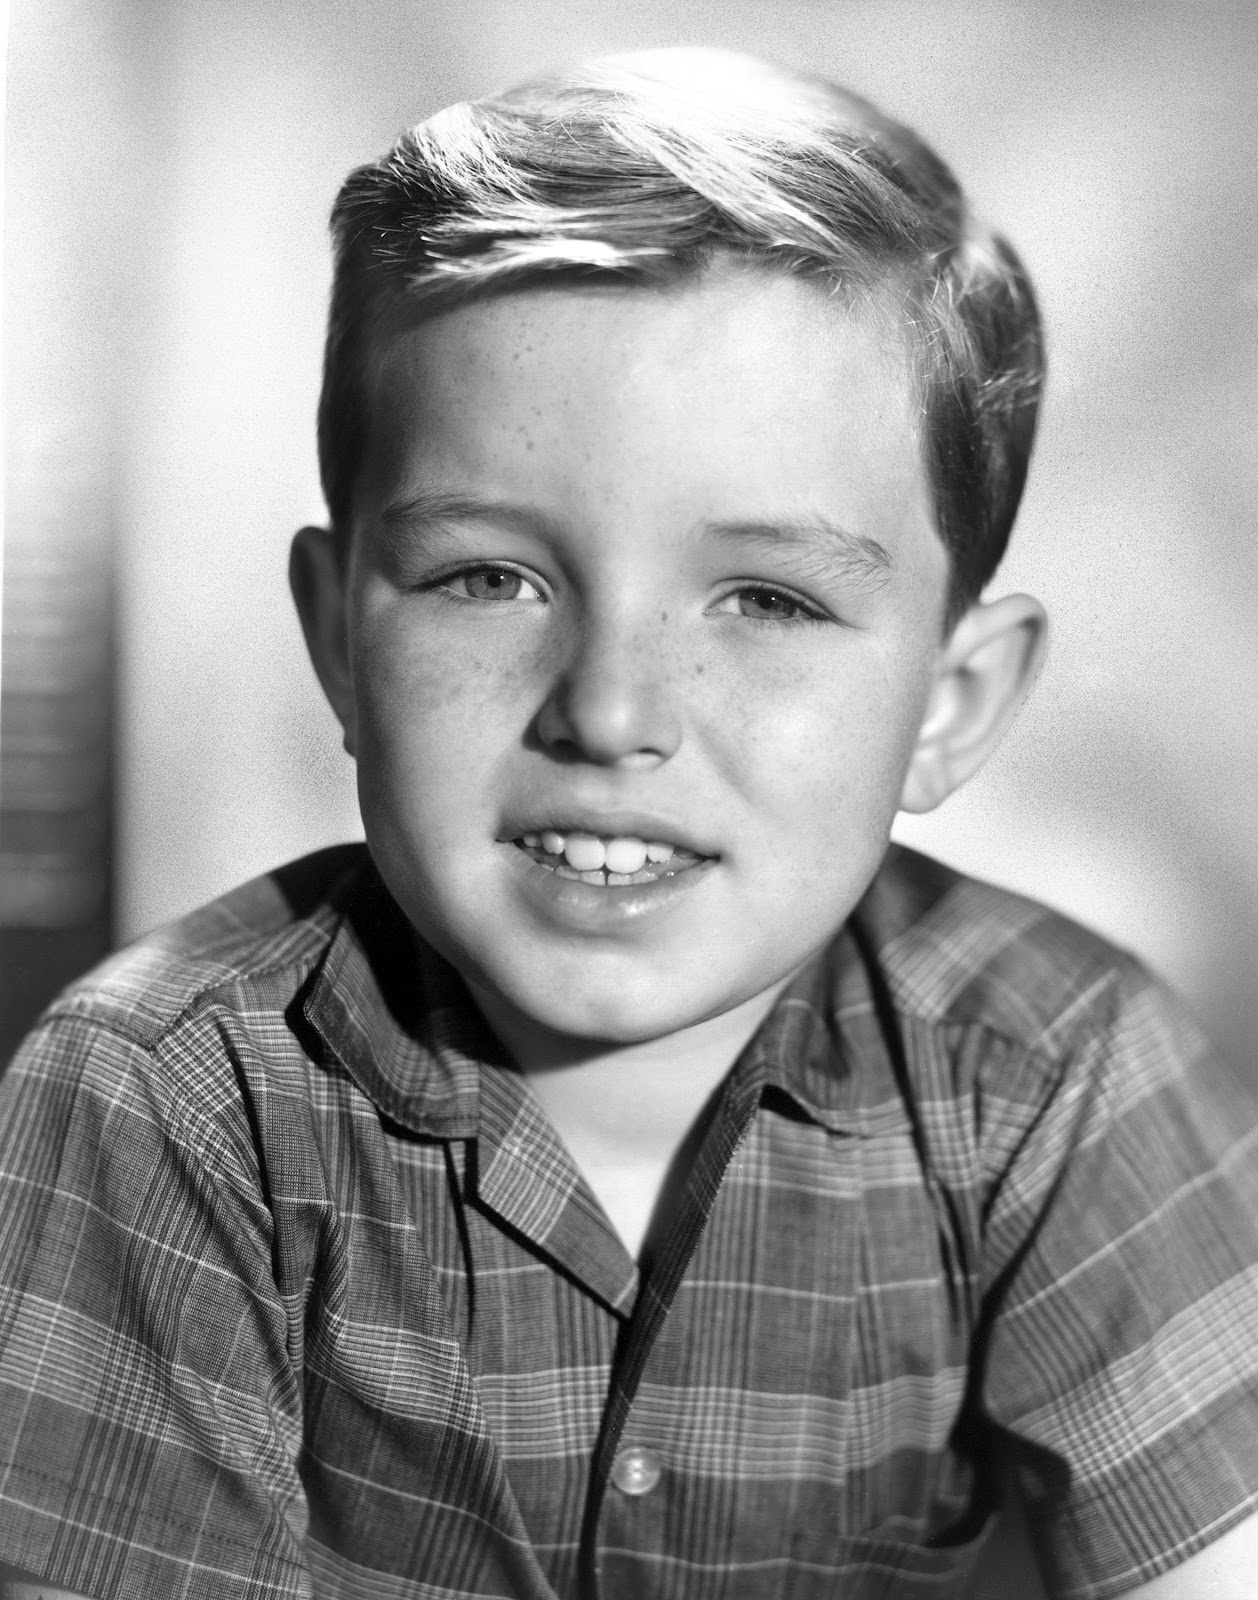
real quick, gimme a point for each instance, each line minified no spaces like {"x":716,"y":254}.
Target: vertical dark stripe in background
{"x":70,"y":271}
{"x":56,"y":706}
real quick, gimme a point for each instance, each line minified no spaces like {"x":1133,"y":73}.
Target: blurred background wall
{"x":171,"y":165}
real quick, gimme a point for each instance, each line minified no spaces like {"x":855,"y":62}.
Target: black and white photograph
{"x":628,"y":847}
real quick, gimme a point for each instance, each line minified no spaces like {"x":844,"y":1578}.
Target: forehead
{"x":737,"y":393}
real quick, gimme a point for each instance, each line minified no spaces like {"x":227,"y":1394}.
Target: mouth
{"x":609,"y":861}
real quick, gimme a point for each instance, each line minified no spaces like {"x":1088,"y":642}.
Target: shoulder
{"x":958,"y":953}
{"x":1022,"y":1035}
{"x":157,"y":1081}
{"x":249,"y":949}
{"x":174,"y":1036}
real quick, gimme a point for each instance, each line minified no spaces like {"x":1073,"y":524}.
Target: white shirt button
{"x":636,"y":1471}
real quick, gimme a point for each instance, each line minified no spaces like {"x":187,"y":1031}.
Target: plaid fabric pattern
{"x":301,"y":1294}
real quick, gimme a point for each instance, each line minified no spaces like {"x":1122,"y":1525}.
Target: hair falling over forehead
{"x":648,"y":168}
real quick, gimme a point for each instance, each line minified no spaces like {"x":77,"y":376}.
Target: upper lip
{"x":568,"y":819}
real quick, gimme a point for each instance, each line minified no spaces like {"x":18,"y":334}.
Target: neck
{"x":643,"y":1094}
{"x":625,"y":1110}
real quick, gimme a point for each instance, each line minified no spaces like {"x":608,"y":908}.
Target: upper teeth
{"x":587,"y":852}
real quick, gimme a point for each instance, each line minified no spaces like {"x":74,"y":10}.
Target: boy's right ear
{"x":319,"y":579}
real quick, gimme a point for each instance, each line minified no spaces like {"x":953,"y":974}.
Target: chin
{"x":613,"y":1023}
{"x":611,"y":1015}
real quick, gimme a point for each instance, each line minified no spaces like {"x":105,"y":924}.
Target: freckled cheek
{"x":425,"y":699}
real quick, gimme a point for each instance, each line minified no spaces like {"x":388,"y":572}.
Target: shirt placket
{"x":628,"y":1497}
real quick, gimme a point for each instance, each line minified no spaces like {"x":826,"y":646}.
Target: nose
{"x":613,"y":702}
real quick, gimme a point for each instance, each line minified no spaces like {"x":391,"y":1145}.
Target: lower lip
{"x":590,"y":908}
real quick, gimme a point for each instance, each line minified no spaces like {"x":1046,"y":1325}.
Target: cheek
{"x":430,"y":700}
{"x":822,"y":753}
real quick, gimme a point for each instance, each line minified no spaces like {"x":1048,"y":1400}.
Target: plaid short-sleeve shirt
{"x":301,"y":1294}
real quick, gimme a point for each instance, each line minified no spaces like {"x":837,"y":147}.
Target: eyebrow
{"x":437,"y":505}
{"x":819,"y":546}
{"x":425,"y":522}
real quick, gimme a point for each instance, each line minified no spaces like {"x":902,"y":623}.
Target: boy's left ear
{"x":984,"y":672}
{"x":318,"y":580}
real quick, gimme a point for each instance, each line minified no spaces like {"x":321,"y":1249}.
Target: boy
{"x":634,"y":1177}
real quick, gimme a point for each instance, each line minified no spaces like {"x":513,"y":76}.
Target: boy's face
{"x":642,"y":565}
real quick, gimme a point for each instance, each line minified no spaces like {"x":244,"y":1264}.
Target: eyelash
{"x":805,"y":611}
{"x":440,"y":583}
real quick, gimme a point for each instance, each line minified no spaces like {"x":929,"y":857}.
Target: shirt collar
{"x":399,"y":1020}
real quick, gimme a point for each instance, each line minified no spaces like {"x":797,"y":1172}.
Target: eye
{"x":495,"y":585}
{"x":762,"y":603}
